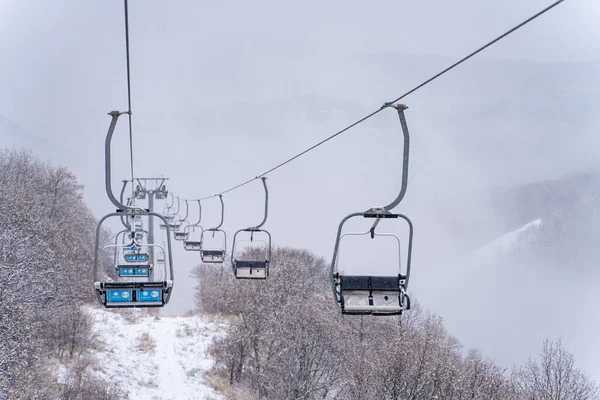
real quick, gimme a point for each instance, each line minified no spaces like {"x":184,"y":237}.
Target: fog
{"x":222,"y":92}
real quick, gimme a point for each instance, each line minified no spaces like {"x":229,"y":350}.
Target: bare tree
{"x":553,"y":377}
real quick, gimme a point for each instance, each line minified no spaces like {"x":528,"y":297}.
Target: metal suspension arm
{"x":199,"y":214}
{"x":121,"y":197}
{"x":264,"y":181}
{"x":400,"y":108}
{"x":187,"y":210}
{"x":178,"y":207}
{"x":222,"y":214}
{"x":111,"y":129}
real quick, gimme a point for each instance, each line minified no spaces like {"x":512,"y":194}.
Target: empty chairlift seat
{"x":192,"y":245}
{"x":251,"y":269}
{"x":212,"y":256}
{"x":181,"y":235}
{"x":377,"y":295}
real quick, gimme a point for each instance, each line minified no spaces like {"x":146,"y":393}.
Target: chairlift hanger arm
{"x":178,"y":206}
{"x":199,"y":214}
{"x":187,"y":210}
{"x":400,"y":108}
{"x":257,"y":227}
{"x":121,"y":197}
{"x":222,"y":214}
{"x":107,"y":157}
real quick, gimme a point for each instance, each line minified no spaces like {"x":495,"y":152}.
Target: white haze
{"x":222,"y":92}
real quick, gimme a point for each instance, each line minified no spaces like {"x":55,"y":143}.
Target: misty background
{"x":222,"y":92}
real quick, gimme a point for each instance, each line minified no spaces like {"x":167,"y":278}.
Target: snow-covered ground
{"x":155,"y":358}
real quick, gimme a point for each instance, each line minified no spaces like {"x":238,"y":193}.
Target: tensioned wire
{"x":389,"y":103}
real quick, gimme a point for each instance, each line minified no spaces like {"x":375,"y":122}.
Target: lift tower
{"x":151,"y":189}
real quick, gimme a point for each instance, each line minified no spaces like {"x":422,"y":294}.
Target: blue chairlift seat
{"x":133,"y":271}
{"x":134,"y":294}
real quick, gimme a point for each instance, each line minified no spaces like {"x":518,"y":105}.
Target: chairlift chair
{"x":255,"y":268}
{"x":130,"y":293}
{"x":161,"y":193}
{"x":182,"y":235}
{"x":189,"y":244}
{"x":215,"y":254}
{"x":362,"y":294}
{"x":139,"y":193}
{"x":370,"y":294}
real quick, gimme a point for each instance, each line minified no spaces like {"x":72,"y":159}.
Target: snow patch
{"x":155,"y":358}
{"x":490,"y":251}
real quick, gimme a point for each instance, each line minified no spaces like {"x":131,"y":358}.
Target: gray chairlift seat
{"x":373,"y":295}
{"x":192,"y":245}
{"x":251,"y":269}
{"x":212,"y":256}
{"x":256,"y":268}
{"x":181,"y":235}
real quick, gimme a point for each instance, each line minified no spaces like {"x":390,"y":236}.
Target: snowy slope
{"x":490,"y":251}
{"x":155,"y":358}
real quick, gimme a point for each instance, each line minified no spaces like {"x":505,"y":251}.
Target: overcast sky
{"x":249,"y":69}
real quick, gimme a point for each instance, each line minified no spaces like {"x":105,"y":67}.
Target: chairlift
{"x":258,"y":266}
{"x":194,"y":245}
{"x":130,"y":293}
{"x":361,"y":294}
{"x":215,"y":254}
{"x":182,"y":235}
{"x":139,"y":193}
{"x":161,"y":193}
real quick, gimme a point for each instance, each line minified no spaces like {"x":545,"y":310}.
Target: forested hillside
{"x":284,"y":337}
{"x":286,"y":340}
{"x":46,"y":256}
